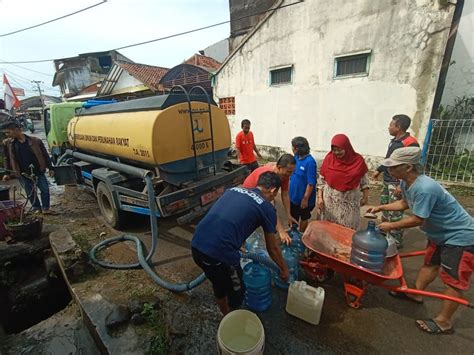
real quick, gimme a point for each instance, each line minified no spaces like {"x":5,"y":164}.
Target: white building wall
{"x":460,"y":78}
{"x":126,"y":81}
{"x":407,"y":39}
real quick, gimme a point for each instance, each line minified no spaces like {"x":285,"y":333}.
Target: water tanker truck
{"x":177,"y":142}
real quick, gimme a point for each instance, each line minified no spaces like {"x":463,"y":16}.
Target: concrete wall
{"x":76,"y":79}
{"x":240,"y":9}
{"x":460,"y":78}
{"x":406,"y":38}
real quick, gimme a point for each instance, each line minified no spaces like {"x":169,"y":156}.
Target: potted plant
{"x":25,"y":227}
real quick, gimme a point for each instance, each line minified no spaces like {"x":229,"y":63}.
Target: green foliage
{"x":82,"y":239}
{"x":452,"y":132}
{"x":159,"y":342}
{"x":461,"y":166}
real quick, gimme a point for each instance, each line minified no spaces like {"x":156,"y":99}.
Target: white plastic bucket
{"x":241,"y":332}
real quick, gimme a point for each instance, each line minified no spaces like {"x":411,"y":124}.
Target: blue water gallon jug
{"x":369,"y":248}
{"x":292,"y":260}
{"x":258,"y":287}
{"x":296,"y":242}
{"x":255,"y":243}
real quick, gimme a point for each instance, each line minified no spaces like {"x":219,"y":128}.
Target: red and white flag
{"x":11,"y":100}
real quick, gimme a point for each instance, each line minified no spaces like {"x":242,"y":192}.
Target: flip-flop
{"x":404,"y":296}
{"x":433,"y":327}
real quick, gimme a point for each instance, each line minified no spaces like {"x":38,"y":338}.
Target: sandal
{"x":404,"y":296}
{"x":431,"y":327}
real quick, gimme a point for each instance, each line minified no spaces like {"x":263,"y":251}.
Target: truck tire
{"x":109,"y":211}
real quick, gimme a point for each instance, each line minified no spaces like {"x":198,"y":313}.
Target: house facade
{"x":316,"y":69}
{"x":76,"y":73}
{"x":131,"y":80}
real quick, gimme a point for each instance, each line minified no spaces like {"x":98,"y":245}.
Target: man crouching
{"x":221,"y":233}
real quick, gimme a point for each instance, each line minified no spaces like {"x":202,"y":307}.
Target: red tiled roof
{"x":89,"y":89}
{"x":148,"y":74}
{"x":208,"y":63}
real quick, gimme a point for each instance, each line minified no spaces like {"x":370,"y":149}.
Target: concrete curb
{"x":74,"y":264}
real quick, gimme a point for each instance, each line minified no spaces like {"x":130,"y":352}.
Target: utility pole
{"x":37,"y":82}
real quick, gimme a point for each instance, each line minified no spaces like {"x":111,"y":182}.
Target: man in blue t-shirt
{"x":449,"y":228}
{"x":221,"y":233}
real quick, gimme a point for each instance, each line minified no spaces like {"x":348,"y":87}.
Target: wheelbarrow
{"x":329,"y":247}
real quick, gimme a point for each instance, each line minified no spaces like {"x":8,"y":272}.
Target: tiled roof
{"x":148,"y":74}
{"x":90,"y":88}
{"x":208,"y":63}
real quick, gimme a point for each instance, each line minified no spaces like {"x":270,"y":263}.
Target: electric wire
{"x":166,"y":37}
{"x":53,"y":20}
{"x":28,"y":87}
{"x":26,"y":80}
{"x":19,"y":66}
{"x":17,"y":84}
{"x":18,"y":76}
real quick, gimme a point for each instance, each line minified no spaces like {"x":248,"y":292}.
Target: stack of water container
{"x":258,"y":278}
{"x":291,"y":254}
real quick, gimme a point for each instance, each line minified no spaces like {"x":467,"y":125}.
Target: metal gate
{"x":450,"y":153}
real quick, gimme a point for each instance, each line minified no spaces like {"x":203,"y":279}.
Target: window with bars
{"x":352,"y":65}
{"x":281,"y":76}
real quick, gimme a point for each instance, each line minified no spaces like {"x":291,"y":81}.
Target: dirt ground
{"x":382,"y":325}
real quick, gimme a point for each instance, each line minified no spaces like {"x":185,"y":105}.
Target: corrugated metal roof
{"x":109,"y":82}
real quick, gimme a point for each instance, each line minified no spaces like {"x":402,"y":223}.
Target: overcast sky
{"x":113,"y":24}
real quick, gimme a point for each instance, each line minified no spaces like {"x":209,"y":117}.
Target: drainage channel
{"x":32,"y":289}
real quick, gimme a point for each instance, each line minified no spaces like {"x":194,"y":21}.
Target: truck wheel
{"x":107,"y":206}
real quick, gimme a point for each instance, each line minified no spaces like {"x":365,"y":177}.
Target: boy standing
{"x":245,"y":144}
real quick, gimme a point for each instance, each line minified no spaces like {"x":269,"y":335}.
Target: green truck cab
{"x":56,"y":119}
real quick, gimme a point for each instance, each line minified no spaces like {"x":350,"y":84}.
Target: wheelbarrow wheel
{"x":326,"y":276}
{"x":318,"y":274}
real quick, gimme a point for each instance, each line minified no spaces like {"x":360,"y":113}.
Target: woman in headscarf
{"x":343,"y":185}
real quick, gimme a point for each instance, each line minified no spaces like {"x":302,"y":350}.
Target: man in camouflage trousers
{"x":392,"y":193}
{"x":391,"y":187}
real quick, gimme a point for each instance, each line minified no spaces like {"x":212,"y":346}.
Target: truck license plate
{"x":211,"y":196}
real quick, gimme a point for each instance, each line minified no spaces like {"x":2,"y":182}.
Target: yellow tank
{"x":154,"y":132}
